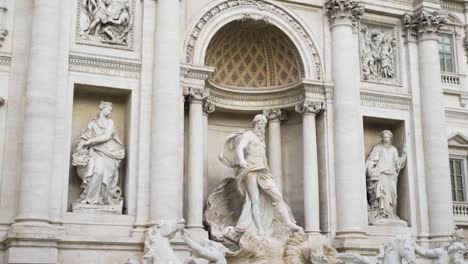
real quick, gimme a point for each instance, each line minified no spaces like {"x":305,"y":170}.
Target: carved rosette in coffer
{"x":379,"y":53}
{"x":106,"y":23}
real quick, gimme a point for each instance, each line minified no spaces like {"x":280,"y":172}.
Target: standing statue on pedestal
{"x":382,"y":169}
{"x":97,"y":155}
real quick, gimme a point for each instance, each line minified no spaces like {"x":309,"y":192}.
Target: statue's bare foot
{"x":294,"y":227}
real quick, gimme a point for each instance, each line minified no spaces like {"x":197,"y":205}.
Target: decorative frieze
{"x":104,"y":66}
{"x":344,"y":11}
{"x":5,"y":60}
{"x":234,"y":100}
{"x":194,"y":72}
{"x":310,"y":107}
{"x":453,"y":113}
{"x":379,"y":53}
{"x":106,"y":23}
{"x":386,"y":101}
{"x":424,"y":24}
{"x":262,"y":5}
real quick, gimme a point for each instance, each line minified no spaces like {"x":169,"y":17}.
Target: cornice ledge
{"x":190,"y":71}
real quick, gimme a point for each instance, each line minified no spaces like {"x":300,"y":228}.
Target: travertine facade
{"x":183,"y":76}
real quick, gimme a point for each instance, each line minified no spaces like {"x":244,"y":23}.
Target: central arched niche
{"x":253,"y":54}
{"x":252,"y":57}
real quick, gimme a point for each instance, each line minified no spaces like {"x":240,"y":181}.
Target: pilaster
{"x":425,"y":26}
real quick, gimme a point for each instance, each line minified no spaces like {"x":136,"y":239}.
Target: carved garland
{"x":261,"y":5}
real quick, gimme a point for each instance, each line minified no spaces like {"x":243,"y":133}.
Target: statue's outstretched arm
{"x":428,"y":253}
{"x":197,"y":247}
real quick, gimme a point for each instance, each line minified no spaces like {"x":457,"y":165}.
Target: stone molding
{"x":264,"y":99}
{"x":261,"y":5}
{"x":310,"y":107}
{"x":5,"y":61}
{"x":453,"y":6}
{"x":275,"y":114}
{"x":196,"y":72}
{"x":423,"y":24}
{"x":393,"y":102}
{"x":344,"y":12}
{"x":461,"y":114}
{"x":95,"y":65}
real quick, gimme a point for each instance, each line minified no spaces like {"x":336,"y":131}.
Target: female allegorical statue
{"x":383,"y":167}
{"x":97,"y":155}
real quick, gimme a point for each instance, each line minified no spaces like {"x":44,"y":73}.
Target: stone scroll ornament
{"x":97,"y":156}
{"x":378,"y":54}
{"x":108,"y":22}
{"x":382,"y":169}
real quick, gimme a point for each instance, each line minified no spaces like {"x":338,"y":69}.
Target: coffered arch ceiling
{"x":253,"y":54}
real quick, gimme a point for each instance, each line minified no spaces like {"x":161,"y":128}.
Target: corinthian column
{"x":196,"y":154}
{"x":166,"y":117}
{"x":275,"y":116}
{"x":425,"y":26}
{"x":348,"y":127}
{"x":309,"y":110}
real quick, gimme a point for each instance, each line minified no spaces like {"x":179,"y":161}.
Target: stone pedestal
{"x":113,"y":208}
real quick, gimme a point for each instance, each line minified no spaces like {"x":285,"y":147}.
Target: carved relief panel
{"x":379,"y":53}
{"x":106,"y":23}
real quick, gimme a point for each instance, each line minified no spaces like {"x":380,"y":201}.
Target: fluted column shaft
{"x":424,"y":25}
{"x":196,"y":155}
{"x":348,"y":126}
{"x":39,"y":119}
{"x":275,"y":116}
{"x":166,"y":123}
{"x":310,"y":165}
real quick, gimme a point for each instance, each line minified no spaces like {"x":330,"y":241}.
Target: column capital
{"x":196,"y":95}
{"x":275,"y":115}
{"x":208,"y":107}
{"x":424,"y":24}
{"x":310,"y":107}
{"x":344,"y":12}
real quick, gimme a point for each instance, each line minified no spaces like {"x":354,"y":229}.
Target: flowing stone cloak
{"x":99,"y":167}
{"x":383,"y":167}
{"x":224,"y":202}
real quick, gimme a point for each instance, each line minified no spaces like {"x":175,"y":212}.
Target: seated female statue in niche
{"x":97,"y":155}
{"x":382,"y":169}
